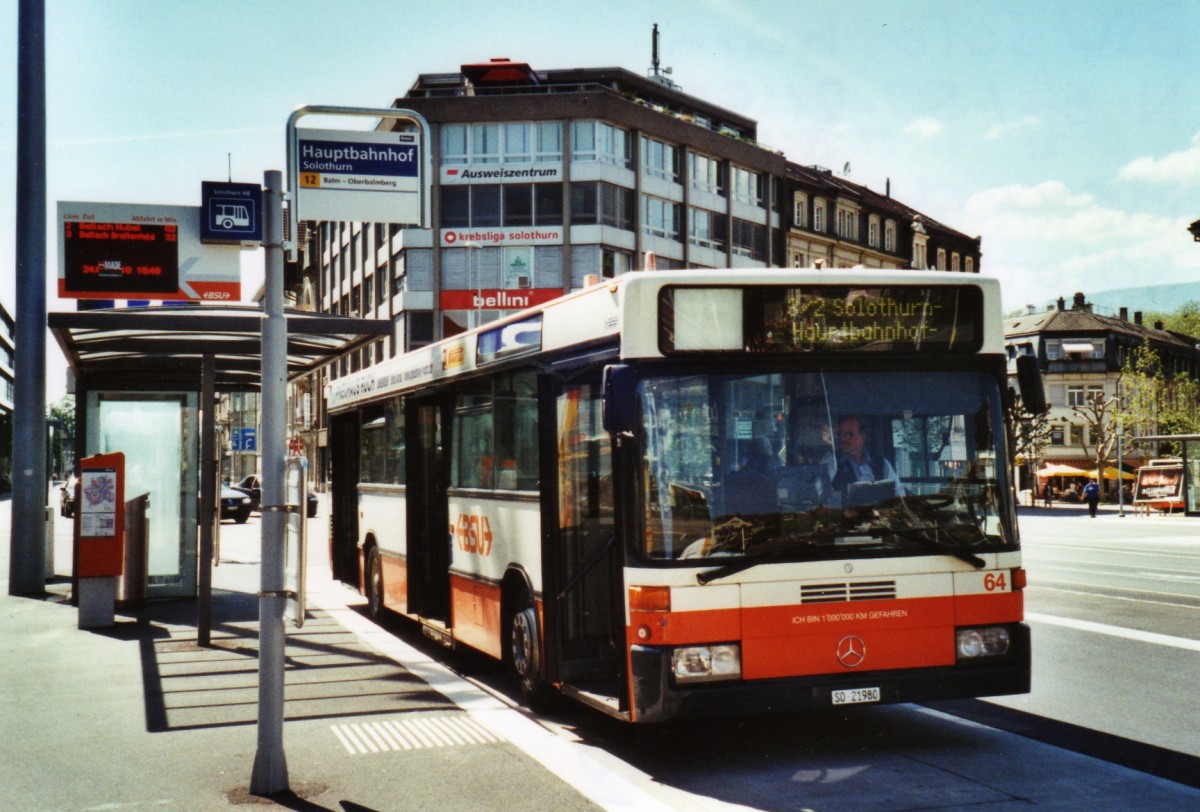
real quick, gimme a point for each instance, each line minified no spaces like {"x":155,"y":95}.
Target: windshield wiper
{"x":927,"y":536}
{"x":779,"y":551}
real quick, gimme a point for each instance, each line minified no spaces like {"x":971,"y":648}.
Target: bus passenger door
{"x":582,"y":556}
{"x":343,"y":494}
{"x":428,"y":550}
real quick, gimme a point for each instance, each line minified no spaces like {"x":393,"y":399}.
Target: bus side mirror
{"x":619,"y":407}
{"x":1029,"y":379}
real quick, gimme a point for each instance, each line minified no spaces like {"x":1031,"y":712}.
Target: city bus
{"x":634,"y":495}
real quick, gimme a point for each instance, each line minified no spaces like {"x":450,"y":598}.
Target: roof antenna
{"x":229,"y":165}
{"x":657,"y":73}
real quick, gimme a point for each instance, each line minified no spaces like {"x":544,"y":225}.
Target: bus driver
{"x":854,"y":463}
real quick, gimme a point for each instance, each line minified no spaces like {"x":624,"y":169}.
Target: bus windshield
{"x":822,"y":464}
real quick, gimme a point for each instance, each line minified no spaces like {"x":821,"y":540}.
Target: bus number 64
{"x":474,"y":533}
{"x":995,"y":581}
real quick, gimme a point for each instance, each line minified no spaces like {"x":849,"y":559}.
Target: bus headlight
{"x":706,"y":663}
{"x":982,"y":641}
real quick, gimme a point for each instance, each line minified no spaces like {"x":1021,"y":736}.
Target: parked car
{"x":66,"y":497}
{"x":252,"y":487}
{"x":235,"y":504}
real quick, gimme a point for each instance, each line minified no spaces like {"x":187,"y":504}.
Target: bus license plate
{"x":855,"y":696}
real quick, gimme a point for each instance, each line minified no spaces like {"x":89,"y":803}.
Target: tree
{"x":1185,"y":320}
{"x":62,"y":415}
{"x":1152,"y":403}
{"x":1097,"y":413}
{"x":1028,"y":434}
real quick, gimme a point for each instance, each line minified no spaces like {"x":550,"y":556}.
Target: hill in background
{"x":1150,"y":299}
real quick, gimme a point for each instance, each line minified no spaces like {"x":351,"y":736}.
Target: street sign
{"x":137,"y":251}
{"x":359,"y":176}
{"x":230,"y":213}
{"x":249,"y":439}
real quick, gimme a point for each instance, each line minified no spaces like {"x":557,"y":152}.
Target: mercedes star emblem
{"x":851,"y":651}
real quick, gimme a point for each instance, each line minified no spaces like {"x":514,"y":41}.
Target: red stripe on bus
{"x":998,"y":607}
{"x":475,"y":614}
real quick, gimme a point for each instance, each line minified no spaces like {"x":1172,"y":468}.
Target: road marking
{"x":1102,"y":590}
{"x":412,"y":734}
{"x":600,"y":777}
{"x":1116,"y":631}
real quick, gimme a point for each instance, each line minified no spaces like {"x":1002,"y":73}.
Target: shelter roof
{"x":167,"y":345}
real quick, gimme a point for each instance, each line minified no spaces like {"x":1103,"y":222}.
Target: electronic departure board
{"x":140,"y":251}
{"x":121,"y":259}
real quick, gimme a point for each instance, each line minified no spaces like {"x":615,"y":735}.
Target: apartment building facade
{"x":544,"y":180}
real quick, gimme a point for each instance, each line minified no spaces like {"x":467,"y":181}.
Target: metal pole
{"x":208,"y":497}
{"x":270,"y":765}
{"x":1120,"y":478}
{"x":27,"y":542}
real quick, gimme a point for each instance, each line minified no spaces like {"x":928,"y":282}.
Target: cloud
{"x":1046,"y":240}
{"x":926,"y":128}
{"x":1005,"y":129}
{"x":1180,"y":168}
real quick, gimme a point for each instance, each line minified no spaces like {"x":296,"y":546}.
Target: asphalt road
{"x":1113,"y":609}
{"x":1114,"y":604}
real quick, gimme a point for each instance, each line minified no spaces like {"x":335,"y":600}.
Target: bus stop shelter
{"x":146,"y":384}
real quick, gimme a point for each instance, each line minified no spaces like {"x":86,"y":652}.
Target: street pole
{"x":27,"y":542}
{"x":270,"y":774}
{"x":1120,"y":478}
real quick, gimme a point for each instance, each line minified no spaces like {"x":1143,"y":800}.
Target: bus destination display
{"x":120,"y":259}
{"x":822,"y":318}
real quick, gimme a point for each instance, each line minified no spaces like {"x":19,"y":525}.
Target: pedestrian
{"x":1048,"y":493}
{"x":1091,"y":495}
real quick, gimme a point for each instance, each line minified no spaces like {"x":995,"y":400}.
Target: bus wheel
{"x":526,"y":652}
{"x":374,"y":583}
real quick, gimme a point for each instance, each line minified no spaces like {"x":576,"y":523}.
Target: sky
{"x":1065,"y":134}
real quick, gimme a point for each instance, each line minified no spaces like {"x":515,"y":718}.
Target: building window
{"x":955,"y":262}
{"x":706,"y":229}
{"x":1074,"y":349}
{"x":941,"y":259}
{"x":660,"y":159}
{"x":819,"y":214}
{"x":873,"y":231}
{"x":749,"y":239}
{"x":1056,"y":435}
{"x":919,"y":256}
{"x":747,"y":186}
{"x":485,"y":143}
{"x":601,"y":141}
{"x":660,"y":217}
{"x":889,"y":236}
{"x":847,"y":223}
{"x":970,"y":264}
{"x":549,"y":141}
{"x":614,"y":263}
{"x":489,"y":204}
{"x":512,"y":142}
{"x":800,"y":210}
{"x":518,"y":143}
{"x":602,"y":204}
{"x":705,"y":173}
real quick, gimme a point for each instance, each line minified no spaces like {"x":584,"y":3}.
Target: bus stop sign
{"x":231,"y":213}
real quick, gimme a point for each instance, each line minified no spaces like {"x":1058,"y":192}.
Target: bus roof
{"x":621,"y":315}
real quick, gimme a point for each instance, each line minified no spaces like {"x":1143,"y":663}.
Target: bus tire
{"x":525,"y":653}
{"x":374,"y":583}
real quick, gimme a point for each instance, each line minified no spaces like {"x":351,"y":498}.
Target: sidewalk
{"x":140,"y":716}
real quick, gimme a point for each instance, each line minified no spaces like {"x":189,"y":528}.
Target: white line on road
{"x":1116,"y":631}
{"x":600,"y":777}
